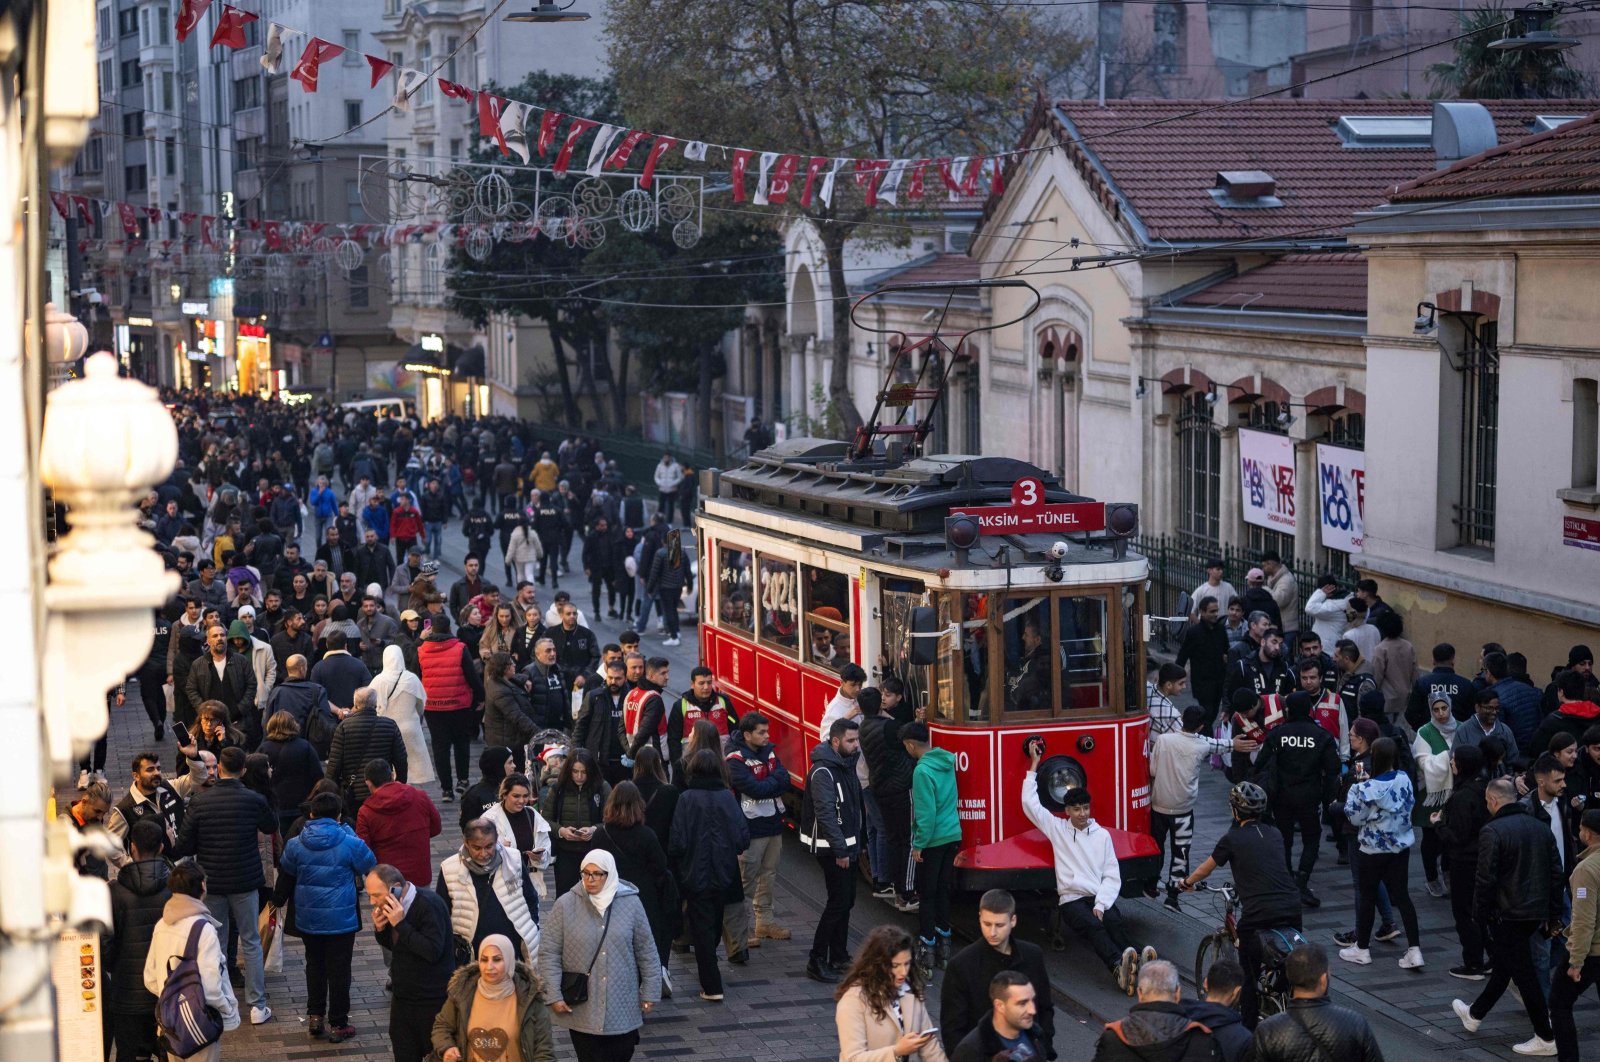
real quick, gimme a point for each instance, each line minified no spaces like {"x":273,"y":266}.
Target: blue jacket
{"x":708,"y":833}
{"x":1381,"y":808}
{"x":323,"y":503}
{"x":376,"y":517}
{"x":324,"y":859}
{"x":1520,"y":711}
{"x":759,"y":781}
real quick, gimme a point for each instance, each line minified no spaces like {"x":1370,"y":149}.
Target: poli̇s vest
{"x":1326,"y":712}
{"x":633,"y":711}
{"x":692,"y":713}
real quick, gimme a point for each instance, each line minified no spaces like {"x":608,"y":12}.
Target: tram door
{"x":900,"y":596}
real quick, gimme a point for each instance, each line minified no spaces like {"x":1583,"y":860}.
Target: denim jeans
{"x":1552,"y":952}
{"x":877,"y":837}
{"x":435,"y":539}
{"x":1385,"y":909}
{"x":649,"y":602}
{"x":243,"y":909}
{"x":322,"y":528}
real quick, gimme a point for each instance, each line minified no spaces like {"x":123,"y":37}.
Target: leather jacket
{"x":1315,"y":1030}
{"x":1519,"y":871}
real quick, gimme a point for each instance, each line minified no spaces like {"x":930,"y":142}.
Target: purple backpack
{"x":186,"y":1023}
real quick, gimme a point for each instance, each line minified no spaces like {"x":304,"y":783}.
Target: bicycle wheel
{"x":1216,"y":946}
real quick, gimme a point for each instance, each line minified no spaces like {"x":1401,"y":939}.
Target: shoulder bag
{"x":575,"y":986}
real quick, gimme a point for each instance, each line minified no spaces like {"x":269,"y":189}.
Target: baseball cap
{"x":1255,"y":573}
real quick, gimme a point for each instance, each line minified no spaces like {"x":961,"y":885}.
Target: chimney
{"x":1246,"y":184}
{"x":1460,"y":131}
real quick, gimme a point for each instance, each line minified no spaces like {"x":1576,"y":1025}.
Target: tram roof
{"x":899,"y":508}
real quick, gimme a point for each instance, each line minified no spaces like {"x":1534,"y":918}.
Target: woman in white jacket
{"x":402,"y":698}
{"x":1328,"y":616}
{"x":170,"y":938}
{"x":516,"y":823}
{"x":523,"y":551}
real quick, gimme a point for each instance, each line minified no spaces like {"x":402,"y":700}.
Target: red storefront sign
{"x":1581,"y":532}
{"x":1029,"y":514}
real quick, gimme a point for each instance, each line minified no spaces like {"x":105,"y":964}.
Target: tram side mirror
{"x":1185,"y":605}
{"x":925,"y":633}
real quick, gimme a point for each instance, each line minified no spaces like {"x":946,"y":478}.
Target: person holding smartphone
{"x":413,"y":926}
{"x":880,"y":1003}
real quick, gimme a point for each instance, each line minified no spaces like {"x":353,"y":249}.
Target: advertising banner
{"x":1342,"y":496}
{"x":1266,"y":479}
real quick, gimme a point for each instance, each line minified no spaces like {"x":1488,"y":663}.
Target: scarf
{"x":507,"y":984}
{"x":608,"y":892}
{"x":394,"y":678}
{"x":488,"y":866}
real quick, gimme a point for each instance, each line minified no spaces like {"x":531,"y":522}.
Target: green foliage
{"x":1481,"y":72}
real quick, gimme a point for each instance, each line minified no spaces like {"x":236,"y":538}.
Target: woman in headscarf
{"x":493,"y":1012}
{"x":1431,"y":750}
{"x":624,"y":982}
{"x":402,"y":698}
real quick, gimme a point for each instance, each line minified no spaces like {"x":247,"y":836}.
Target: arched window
{"x":430,"y":272}
{"x":1199,"y":470}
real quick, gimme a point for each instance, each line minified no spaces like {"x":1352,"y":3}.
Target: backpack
{"x":186,"y":1023}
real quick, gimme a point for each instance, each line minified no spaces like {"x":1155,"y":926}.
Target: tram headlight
{"x":1056,"y":776}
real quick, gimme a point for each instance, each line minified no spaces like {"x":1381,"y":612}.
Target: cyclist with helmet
{"x":1269,"y":897}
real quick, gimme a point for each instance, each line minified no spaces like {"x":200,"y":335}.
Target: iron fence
{"x":635,"y":455}
{"x":1177,"y":567}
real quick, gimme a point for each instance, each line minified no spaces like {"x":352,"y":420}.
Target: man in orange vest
{"x":644,"y":712}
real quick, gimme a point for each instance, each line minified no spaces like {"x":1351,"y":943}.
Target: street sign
{"x":1581,"y":532}
{"x":325,"y":340}
{"x":1029,"y":514}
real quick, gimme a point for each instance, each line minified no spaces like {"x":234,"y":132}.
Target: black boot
{"x":821,"y":972}
{"x":1307,"y":897}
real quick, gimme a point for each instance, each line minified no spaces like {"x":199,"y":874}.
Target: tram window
{"x":944,"y":698}
{"x":780,"y":621}
{"x":975,"y":654}
{"x":1081,"y":630}
{"x":736,"y":591}
{"x":827,"y":617}
{"x":1025,"y":637}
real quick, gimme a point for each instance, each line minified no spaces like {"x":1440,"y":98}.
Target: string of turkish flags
{"x":507,"y":123}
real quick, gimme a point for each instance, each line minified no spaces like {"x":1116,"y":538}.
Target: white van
{"x":377,"y":407}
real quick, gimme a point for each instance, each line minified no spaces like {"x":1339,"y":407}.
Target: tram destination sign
{"x":1028,"y":513}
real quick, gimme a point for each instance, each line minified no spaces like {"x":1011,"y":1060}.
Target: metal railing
{"x":1177,"y":568}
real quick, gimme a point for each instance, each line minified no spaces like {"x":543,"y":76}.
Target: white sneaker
{"x":1535,"y":1046}
{"x":1464,"y":1012}
{"x":1412,"y":959}
{"x":670,"y":641}
{"x":1359,"y":956}
{"x":260,"y":1015}
{"x":666,"y":984}
{"x":83,"y":779}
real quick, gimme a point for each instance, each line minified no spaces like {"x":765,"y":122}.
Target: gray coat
{"x":626,"y":971}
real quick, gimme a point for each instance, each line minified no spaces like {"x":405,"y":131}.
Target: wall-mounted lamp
{"x":1285,"y":418}
{"x":1425,"y":318}
{"x":1211,"y":395}
{"x":1138,"y":392}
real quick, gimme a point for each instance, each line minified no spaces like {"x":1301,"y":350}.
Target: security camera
{"x":1058,"y":551}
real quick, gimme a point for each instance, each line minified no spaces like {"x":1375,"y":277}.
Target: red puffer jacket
{"x":444,"y":674}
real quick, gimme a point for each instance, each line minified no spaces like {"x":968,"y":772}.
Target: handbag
{"x":575,"y":986}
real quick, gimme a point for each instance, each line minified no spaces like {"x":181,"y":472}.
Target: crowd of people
{"x":315,"y":671}
{"x":1325,"y":712}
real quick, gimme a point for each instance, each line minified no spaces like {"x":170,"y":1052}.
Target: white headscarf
{"x":394,"y":678}
{"x":602,"y":859}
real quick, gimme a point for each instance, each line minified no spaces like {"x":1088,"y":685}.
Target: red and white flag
{"x":380,"y":68}
{"x":230,"y":27}
{"x":490,"y":108}
{"x":869,"y":175}
{"x":549,"y":122}
{"x":455,"y":91}
{"x":82,"y":204}
{"x":130,"y":220}
{"x":914,"y":186}
{"x":662,"y":145}
{"x":741,"y":163}
{"x":190,"y":12}
{"x":579,"y":127}
{"x":619,"y":158}
{"x":782,"y":178}
{"x":815,"y":165}
{"x":272,"y":231}
{"x":317,"y":52}
{"x":61,"y":202}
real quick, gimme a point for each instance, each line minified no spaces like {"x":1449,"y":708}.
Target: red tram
{"x":1001,"y":626}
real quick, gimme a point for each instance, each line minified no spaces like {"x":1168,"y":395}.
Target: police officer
{"x":701,"y":702}
{"x":1299,"y":767}
{"x":1308,"y":646}
{"x":1443,"y":682}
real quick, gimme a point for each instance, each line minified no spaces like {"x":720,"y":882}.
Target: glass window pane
{"x":779,"y":621}
{"x":975,"y":653}
{"x":735,"y":592}
{"x":1025,"y":637}
{"x":827,"y":618}
{"x":1081,"y":631}
{"x":944,"y":700}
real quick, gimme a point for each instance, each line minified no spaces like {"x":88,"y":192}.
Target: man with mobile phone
{"x":413,"y":926}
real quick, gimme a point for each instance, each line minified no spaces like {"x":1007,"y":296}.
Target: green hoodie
{"x":236,"y":630}
{"x":933,"y":801}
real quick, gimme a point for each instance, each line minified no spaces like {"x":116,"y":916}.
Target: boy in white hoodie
{"x":171,"y":937}
{"x":1088,"y":878}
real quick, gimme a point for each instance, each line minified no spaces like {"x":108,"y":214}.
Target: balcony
{"x":250,"y":123}
{"x":247,"y":61}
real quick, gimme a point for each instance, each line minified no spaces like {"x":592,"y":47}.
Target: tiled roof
{"x":1156,"y":160}
{"x":1560,"y":161}
{"x":1305,"y":283}
{"x":944,"y":269}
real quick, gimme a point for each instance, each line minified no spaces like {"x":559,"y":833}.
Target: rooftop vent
{"x":1460,"y":131}
{"x":1543,"y":123}
{"x":1246,"y":188}
{"x":1385,"y":130}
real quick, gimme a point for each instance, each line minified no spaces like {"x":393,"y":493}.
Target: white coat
{"x":402,"y":698}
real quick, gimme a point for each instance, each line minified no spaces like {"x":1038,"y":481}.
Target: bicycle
{"x":1272,"y":987}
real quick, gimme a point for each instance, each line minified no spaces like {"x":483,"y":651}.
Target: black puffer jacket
{"x":363,"y":736}
{"x":137,"y":898}
{"x":508,"y":718}
{"x":1464,"y":818}
{"x":1155,"y":1032}
{"x":547,"y":697}
{"x":1519,"y":870}
{"x":888,"y":764}
{"x":1313,"y":1030}
{"x":219,"y":829}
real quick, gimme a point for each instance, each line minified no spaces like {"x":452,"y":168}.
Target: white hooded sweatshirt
{"x":1086,"y":861}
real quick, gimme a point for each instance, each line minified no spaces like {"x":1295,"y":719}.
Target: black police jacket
{"x":1299,"y":764}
